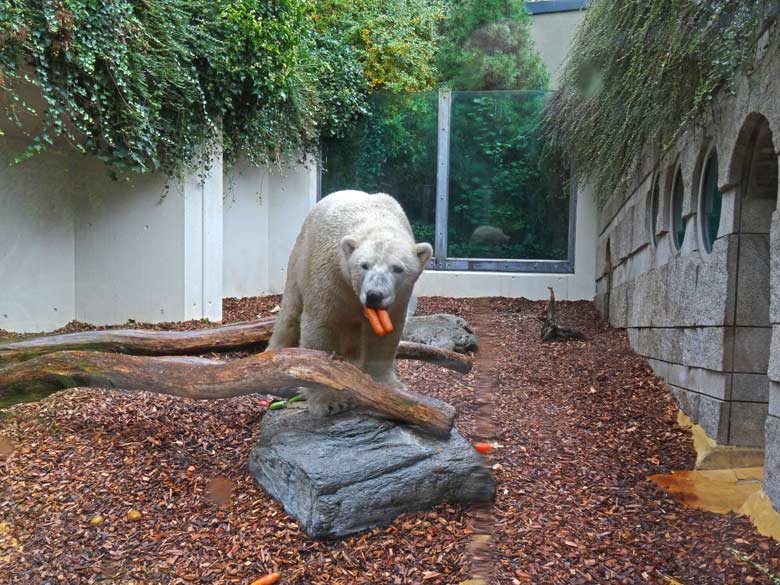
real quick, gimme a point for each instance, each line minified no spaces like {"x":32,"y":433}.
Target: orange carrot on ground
{"x":483,"y":447}
{"x":267,"y":580}
{"x":373,"y":318}
{"x":384,"y":319}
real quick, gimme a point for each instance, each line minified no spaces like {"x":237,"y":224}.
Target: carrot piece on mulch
{"x":483,"y":447}
{"x":373,"y":318}
{"x":384,"y":319}
{"x":267,"y":580}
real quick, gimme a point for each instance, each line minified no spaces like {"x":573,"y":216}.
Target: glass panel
{"x":391,"y":150}
{"x":508,"y":196}
{"x":678,"y":225}
{"x":711,"y":202}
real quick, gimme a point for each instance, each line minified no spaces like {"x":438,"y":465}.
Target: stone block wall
{"x":708,"y":322}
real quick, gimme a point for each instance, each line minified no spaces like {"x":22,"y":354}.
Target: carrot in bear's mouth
{"x":379,"y":320}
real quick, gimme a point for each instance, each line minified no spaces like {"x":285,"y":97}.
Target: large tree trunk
{"x":252,"y":335}
{"x":275,"y":371}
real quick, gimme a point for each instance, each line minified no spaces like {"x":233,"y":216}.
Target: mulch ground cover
{"x":580,"y":426}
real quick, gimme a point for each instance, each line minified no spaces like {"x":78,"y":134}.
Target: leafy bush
{"x":641,"y":70}
{"x":487,"y":45}
{"x":150,"y":84}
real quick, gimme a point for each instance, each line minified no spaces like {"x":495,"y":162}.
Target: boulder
{"x":444,"y":331}
{"x":343,"y":474}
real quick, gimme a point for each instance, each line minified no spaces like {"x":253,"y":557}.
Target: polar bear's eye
{"x":364,"y":266}
{"x":398,"y":269}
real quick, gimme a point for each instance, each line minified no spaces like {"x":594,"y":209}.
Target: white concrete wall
{"x":577,"y":286}
{"x":263,"y":213}
{"x":37,"y":290}
{"x":292,"y":193}
{"x":245,"y":233}
{"x":146,"y":252}
{"x":553,"y":34}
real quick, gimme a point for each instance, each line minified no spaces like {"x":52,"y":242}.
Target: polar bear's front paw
{"x":323,"y":403}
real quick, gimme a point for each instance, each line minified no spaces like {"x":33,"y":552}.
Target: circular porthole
{"x":677,"y":223}
{"x":652,"y":211}
{"x":710,"y":200}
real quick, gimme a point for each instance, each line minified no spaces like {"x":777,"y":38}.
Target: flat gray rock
{"x":444,"y":331}
{"x":343,"y":474}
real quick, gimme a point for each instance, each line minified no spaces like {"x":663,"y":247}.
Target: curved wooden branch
{"x":145,"y":342}
{"x":408,"y":350}
{"x":250,"y":335}
{"x":275,"y":371}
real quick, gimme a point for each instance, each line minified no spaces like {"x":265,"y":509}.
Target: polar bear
{"x":354,"y":250}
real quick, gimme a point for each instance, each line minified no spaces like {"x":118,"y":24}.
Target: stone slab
{"x":351,"y":472}
{"x":750,"y":387}
{"x":747,"y":424}
{"x":753,"y":281}
{"x":772,"y":461}
{"x":710,"y":414}
{"x":751,"y":349}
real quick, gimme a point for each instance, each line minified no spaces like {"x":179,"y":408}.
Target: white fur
{"x":351,"y":244}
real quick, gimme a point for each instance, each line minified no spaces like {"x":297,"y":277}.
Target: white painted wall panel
{"x":37,"y":290}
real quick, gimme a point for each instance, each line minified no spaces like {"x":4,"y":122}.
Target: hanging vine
{"x":642,"y":70}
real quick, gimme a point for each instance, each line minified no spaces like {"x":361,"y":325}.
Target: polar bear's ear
{"x":348,"y":245}
{"x":424,"y":253}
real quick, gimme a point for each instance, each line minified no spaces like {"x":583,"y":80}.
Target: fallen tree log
{"x":252,"y":334}
{"x":277,"y":372}
{"x":240,"y":336}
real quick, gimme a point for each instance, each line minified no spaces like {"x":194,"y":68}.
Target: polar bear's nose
{"x":374,"y":299}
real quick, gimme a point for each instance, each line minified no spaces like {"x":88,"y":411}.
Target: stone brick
{"x":714,"y":296}
{"x":747,"y":424}
{"x":751,"y":349}
{"x":709,"y":413}
{"x":671,"y":343}
{"x":772,"y":460}
{"x":750,"y":387}
{"x":641,"y":305}
{"x":708,"y":347}
{"x":660,"y":368}
{"x":774,"y":398}
{"x":713,"y":384}
{"x":774,"y":355}
{"x":618,"y":307}
{"x":774,"y":281}
{"x":729,"y":213}
{"x":753,"y":281}
{"x":640,"y":235}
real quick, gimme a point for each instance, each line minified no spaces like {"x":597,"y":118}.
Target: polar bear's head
{"x":382,"y":269}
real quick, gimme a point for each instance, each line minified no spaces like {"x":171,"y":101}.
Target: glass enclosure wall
{"x":504,"y":200}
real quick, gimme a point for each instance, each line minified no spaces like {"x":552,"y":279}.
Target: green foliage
{"x":395,"y":40}
{"x":156,"y":84}
{"x":487,"y":45}
{"x":641,"y":70}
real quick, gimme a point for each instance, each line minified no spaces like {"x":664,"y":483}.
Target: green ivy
{"x":159,"y":84}
{"x":640,"y":71}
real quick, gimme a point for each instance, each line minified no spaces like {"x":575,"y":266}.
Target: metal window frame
{"x":440,"y":261}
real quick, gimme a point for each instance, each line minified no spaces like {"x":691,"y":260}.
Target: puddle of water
{"x":717,"y":490}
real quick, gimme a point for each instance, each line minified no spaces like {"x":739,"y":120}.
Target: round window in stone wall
{"x":652,"y":210}
{"x":678,"y":225}
{"x":710,"y":202}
